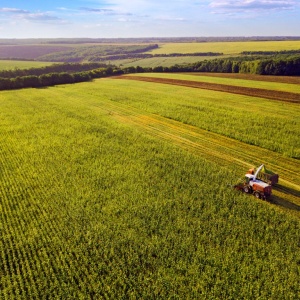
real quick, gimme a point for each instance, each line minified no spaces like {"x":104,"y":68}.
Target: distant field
{"x":30,"y":51}
{"x":86,"y":51}
{"x":97,"y":52}
{"x":13,"y":64}
{"x":230,"y":48}
{"x":162,"y":61}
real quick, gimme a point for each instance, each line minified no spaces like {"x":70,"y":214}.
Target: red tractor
{"x":259,"y":188}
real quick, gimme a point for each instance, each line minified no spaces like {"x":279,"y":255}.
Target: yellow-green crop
{"x":232,"y":48}
{"x":103,"y":195}
{"x":15,"y":64}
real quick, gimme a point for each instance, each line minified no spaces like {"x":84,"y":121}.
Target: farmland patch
{"x":232,"y":48}
{"x":29,"y":51}
{"x":101,"y":198}
{"x":15,"y":64}
{"x":161,"y":61}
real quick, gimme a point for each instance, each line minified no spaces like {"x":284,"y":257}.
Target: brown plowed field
{"x":29,"y":51}
{"x":262,"y":93}
{"x":269,"y":78}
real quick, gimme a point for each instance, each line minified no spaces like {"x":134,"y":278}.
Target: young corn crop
{"x":107,"y":192}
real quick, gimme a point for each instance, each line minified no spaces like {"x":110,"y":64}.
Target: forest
{"x":280,"y":65}
{"x":55,"y":78}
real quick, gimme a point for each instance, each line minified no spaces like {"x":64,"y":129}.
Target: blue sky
{"x":148,"y":18}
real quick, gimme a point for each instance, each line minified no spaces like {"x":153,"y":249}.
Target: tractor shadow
{"x":283,"y":202}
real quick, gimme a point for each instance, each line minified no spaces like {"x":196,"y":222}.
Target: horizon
{"x":148,"y":19}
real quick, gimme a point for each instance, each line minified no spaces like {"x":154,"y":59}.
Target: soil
{"x":280,"y":79}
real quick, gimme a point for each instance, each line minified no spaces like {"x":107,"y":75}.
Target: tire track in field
{"x":247,"y":91}
{"x":222,"y":150}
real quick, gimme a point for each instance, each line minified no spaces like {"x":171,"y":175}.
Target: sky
{"x":148,"y":18}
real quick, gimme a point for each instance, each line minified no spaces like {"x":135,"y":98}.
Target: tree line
{"x":149,"y":55}
{"x":41,"y":77}
{"x":270,"y":52}
{"x":268,"y":66}
{"x":95,"y":53}
{"x":281,"y":65}
{"x":55,"y":68}
{"x":50,"y":79}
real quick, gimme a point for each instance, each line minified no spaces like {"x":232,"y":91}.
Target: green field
{"x":119,"y":189}
{"x":18,"y":64}
{"x":229,"y":48}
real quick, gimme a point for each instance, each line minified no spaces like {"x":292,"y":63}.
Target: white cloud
{"x":103,"y":11}
{"x":226,"y":6}
{"x":149,"y":7}
{"x":96,"y":10}
{"x":13,"y":10}
{"x":128,"y":18}
{"x":166,"y":18}
{"x":29,"y":16}
{"x":40,"y":17}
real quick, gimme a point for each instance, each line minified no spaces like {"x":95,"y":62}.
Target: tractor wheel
{"x":247,"y":189}
{"x":257,"y":195}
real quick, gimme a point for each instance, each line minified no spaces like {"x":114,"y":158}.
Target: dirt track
{"x":262,"y":93}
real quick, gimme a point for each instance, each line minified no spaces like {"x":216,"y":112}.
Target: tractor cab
{"x":248,"y":178}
